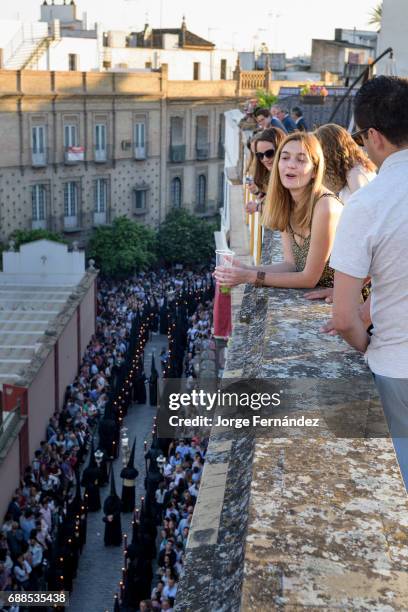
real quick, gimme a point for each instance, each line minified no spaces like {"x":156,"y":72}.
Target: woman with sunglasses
{"x":298,"y":205}
{"x":265,"y":146}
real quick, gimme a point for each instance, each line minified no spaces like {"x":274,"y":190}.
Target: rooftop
{"x":343,"y":43}
{"x":38,"y":285}
{"x":26,"y":312}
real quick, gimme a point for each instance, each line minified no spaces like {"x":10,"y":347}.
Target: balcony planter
{"x":310,"y":99}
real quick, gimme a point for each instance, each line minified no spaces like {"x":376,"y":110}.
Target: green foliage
{"x":23,"y":236}
{"x":376,"y":16}
{"x":184,"y":238}
{"x":123,"y":248}
{"x":265,"y":98}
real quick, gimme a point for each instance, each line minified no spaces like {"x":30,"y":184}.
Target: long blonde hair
{"x":279,"y":209}
{"x":341,"y":154}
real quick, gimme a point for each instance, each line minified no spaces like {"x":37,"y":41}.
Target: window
{"x":100,"y":142}
{"x":223,"y":69}
{"x":221,"y":189}
{"x":38,"y":150}
{"x":38,"y":200}
{"x":70,"y":199}
{"x":176,"y":130}
{"x":196,"y":71}
{"x":140,"y":198}
{"x":70,"y":135}
{"x":202,"y":137}
{"x":201,"y":191}
{"x":72,"y":61}
{"x":175,"y":194}
{"x":38,"y":139}
{"x":100,"y":137}
{"x":101,"y":195}
{"x":177,"y":146}
{"x":140,"y":140}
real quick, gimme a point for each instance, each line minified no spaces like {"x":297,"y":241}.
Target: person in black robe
{"x":90,"y":480}
{"x":112,"y":520}
{"x":109,"y":433}
{"x":139,"y":388}
{"x":154,"y":375}
{"x":163,"y":318}
{"x":129,"y":475}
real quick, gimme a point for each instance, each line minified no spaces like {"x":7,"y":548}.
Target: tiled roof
{"x":155,"y":38}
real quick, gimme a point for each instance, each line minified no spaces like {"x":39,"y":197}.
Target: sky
{"x":284,"y":26}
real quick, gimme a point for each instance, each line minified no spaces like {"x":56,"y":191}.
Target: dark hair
{"x":261,"y":176}
{"x":382,"y":103}
{"x":261,"y":111}
{"x":296,"y":110}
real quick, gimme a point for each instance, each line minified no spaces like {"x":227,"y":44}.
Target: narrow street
{"x":100,"y":568}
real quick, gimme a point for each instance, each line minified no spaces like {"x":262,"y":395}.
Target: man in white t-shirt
{"x":371,"y":240}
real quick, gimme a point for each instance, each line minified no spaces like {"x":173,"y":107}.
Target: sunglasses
{"x":268,"y":154}
{"x":357,"y":136}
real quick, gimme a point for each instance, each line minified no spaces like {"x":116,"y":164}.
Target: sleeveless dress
{"x":300,"y":252}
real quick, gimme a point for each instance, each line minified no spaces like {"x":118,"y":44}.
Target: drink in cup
{"x":224,"y":257}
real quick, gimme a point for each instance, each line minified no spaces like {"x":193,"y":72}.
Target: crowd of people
{"x":155,"y":556}
{"x":44,"y":529}
{"x":339,"y":202}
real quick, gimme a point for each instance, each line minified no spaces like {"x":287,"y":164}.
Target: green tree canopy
{"x":123,"y":248}
{"x":23,"y":236}
{"x":184,"y":238}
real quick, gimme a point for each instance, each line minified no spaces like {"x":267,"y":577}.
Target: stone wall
{"x":294,"y":520}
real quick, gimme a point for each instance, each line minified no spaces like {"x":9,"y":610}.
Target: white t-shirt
{"x":357,"y":178}
{"x":371,"y":240}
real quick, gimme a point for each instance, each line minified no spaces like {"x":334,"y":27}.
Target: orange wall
{"x":67,"y":357}
{"x":88,"y":316}
{"x":9,"y":476}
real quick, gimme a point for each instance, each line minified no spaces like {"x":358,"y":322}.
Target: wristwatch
{"x":260,"y":279}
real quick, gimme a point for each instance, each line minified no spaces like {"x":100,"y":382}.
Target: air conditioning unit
{"x":126,"y":145}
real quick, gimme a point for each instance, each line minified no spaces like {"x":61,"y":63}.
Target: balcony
{"x":202,"y":151}
{"x":39,"y":224}
{"x":99,"y":218}
{"x":288,"y":515}
{"x":101,"y":155}
{"x":74,"y":155}
{"x":140,"y":153}
{"x":284,"y":514}
{"x":177,"y":154}
{"x":71,"y":223}
{"x":39,"y":159}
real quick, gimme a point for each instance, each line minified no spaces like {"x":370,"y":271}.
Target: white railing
{"x":29,"y":33}
{"x":70,"y":222}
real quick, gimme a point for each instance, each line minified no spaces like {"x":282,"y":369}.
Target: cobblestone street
{"x":100,"y":568}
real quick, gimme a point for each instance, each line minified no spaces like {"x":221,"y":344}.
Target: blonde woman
{"x":304,"y":212}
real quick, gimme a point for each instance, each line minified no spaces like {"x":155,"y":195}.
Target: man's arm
{"x":346,"y":311}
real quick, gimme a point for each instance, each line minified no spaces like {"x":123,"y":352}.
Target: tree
{"x":376,"y":16}
{"x":184,"y":238}
{"x":123,"y":248}
{"x":23,"y":236}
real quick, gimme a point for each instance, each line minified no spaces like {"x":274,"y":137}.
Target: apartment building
{"x":81,"y":148}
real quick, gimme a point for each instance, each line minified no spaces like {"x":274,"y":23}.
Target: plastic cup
{"x":224,"y":257}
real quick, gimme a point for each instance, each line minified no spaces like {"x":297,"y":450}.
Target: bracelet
{"x":260,"y":279}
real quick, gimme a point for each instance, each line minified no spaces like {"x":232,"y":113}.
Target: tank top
{"x":300,"y":252}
